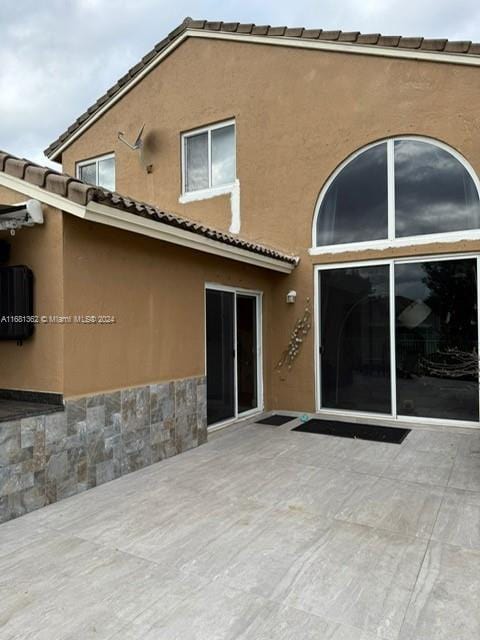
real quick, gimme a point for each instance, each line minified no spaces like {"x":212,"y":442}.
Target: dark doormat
{"x":276,"y":420}
{"x":352,"y":430}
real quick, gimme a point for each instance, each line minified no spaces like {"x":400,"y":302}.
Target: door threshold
{"x":237,"y":420}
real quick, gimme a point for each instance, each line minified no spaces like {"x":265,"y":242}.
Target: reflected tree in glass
{"x":436,"y":315}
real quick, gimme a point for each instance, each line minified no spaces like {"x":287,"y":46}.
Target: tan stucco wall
{"x":37,"y":365}
{"x":298,"y":114}
{"x":156,"y":293}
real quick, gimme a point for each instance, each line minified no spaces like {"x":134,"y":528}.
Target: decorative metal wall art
{"x":297,"y":337}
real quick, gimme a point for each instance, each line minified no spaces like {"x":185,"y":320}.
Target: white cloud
{"x":58,"y":57}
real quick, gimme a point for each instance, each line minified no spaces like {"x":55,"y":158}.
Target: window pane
{"x":223,"y":156}
{"x":355,"y":207}
{"x":436,"y":316}
{"x":196,"y":162}
{"x":355,"y":338}
{"x":433,"y":191}
{"x":106,"y":173}
{"x":88,"y":173}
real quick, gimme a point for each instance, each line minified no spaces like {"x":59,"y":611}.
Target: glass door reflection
{"x":436,"y":329}
{"x":220,"y":317}
{"x":247,"y":373}
{"x":355,"y":339}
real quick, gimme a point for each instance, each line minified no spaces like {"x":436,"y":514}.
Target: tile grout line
{"x":429,"y":541}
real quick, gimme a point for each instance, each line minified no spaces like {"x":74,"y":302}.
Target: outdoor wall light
{"x":291,"y":297}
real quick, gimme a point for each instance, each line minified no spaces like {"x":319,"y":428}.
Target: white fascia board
{"x":129,"y":222}
{"x":32,"y":190}
{"x":343,"y":47}
{"x":282,"y":41}
{"x":113,"y":217}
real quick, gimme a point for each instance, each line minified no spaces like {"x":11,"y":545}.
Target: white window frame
{"x":394,"y":417}
{"x":391,"y":241}
{"x":95,"y":160}
{"x":210,"y":192}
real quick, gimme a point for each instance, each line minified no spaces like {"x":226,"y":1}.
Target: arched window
{"x":398,"y":188}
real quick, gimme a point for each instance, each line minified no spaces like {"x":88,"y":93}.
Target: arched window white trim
{"x":390,"y":240}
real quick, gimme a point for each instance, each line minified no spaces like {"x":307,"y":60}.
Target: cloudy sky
{"x":58,"y":56}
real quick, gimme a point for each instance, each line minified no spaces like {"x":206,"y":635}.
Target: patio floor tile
{"x":446,"y":600}
{"x":323,"y":492}
{"x":194,"y":617}
{"x":255,"y":554}
{"x":357,"y":576}
{"x":458,"y":521}
{"x":466,"y":473}
{"x":424,"y":467}
{"x":405,"y":508}
{"x":261,"y":534}
{"x":434,"y":441}
{"x":77,"y":589}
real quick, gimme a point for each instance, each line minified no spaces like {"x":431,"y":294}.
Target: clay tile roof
{"x":260,"y":29}
{"x":410,"y":43}
{"x":242,"y":28}
{"x":82,"y":193}
{"x":312,"y":34}
{"x":352,"y":37}
{"x":277,"y":31}
{"x":368,"y":38}
{"x":458,"y":47}
{"x":388,"y":41}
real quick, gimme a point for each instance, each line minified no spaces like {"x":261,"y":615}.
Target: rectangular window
{"x":209,"y":158}
{"x":98,"y":171}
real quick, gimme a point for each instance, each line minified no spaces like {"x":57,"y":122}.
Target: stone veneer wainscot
{"x":96,"y":439}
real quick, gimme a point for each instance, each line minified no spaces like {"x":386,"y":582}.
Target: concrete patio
{"x":261,"y":534}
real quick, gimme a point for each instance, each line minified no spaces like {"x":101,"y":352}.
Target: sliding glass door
{"x":400,"y":338}
{"x":232,"y":353}
{"x":435,"y":331}
{"x":220,"y":309}
{"x":247,"y":366}
{"x":356,"y":339}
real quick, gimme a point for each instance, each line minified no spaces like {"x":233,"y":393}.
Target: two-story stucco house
{"x":297,"y":228}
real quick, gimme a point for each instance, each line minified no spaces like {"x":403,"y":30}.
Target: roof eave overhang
{"x":283,"y":41}
{"x":119,"y":219}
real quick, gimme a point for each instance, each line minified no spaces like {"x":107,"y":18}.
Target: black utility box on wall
{"x":4,"y":251}
{"x":16,"y":303}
